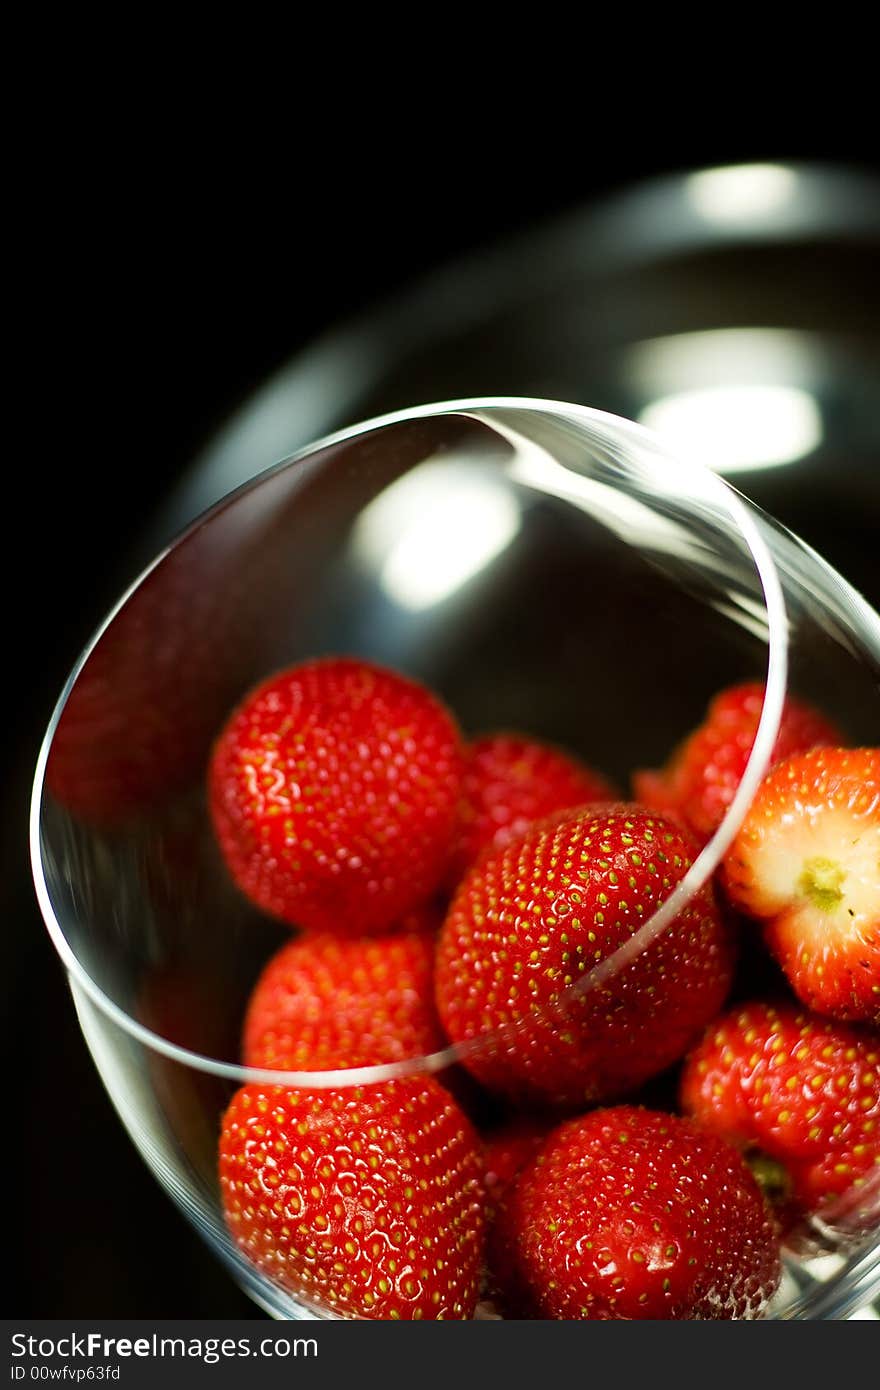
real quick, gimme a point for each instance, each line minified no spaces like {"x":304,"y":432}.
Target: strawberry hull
{"x":806,"y":865}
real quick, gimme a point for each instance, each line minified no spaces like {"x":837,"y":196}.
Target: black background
{"x":159,"y":304}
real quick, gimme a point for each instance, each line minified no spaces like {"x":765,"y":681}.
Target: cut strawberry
{"x":700,"y":780}
{"x":806,"y":863}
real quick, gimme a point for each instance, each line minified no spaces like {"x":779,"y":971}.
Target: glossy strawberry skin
{"x":700,"y":780}
{"x":632,"y":1213}
{"x":803,"y":1091}
{"x":334,"y":790}
{"x":367,"y":1201}
{"x":806,"y":863}
{"x":325,"y":1001}
{"x":530,"y":922}
{"x":511,"y":781}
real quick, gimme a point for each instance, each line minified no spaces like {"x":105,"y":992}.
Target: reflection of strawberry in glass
{"x":138,"y":722}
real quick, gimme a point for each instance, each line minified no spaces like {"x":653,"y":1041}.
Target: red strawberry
{"x":366,"y":1200}
{"x":510,"y":782}
{"x":324,"y":1002}
{"x":507,"y":1150}
{"x":631,"y":1213}
{"x":804,"y":1092}
{"x":334,"y":790}
{"x":700,"y":780}
{"x":531,"y":921}
{"x":806,"y":862}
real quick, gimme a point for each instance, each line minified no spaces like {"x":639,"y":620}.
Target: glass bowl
{"x":543,"y":567}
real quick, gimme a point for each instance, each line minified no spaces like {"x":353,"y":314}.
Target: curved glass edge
{"x":612,"y":430}
{"x":853,"y":1287}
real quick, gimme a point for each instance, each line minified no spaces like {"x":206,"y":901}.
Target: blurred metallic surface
{"x":734,"y":309}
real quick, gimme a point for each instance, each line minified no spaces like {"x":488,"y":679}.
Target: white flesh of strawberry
{"x":821,"y":865}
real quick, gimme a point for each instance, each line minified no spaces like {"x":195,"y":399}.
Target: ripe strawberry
{"x":530,"y":921}
{"x":700,"y":780}
{"x":368,"y":1200}
{"x":510,"y":782}
{"x":324,"y":1001}
{"x":806,"y":862}
{"x":804,"y":1092}
{"x":334,"y":790}
{"x":632,"y":1213}
{"x":508,"y":1149}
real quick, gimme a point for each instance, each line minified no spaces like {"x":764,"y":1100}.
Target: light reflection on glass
{"x":741,"y":192}
{"x":726,"y":356}
{"x":434,"y":530}
{"x":733,"y":428}
{"x":626,"y":516}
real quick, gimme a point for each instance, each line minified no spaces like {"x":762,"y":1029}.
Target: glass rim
{"x":741,"y":513}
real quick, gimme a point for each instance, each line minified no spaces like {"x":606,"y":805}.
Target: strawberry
{"x":803,"y":1093}
{"x":334,"y":789}
{"x":368,"y":1200}
{"x":506,"y":1151}
{"x":510,"y":782}
{"x":531,"y":921}
{"x":325,"y":1001}
{"x":806,"y":863}
{"x":632,"y":1213}
{"x":700,"y":780}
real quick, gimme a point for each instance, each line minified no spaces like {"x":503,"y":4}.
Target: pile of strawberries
{"x":616,"y":1138}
